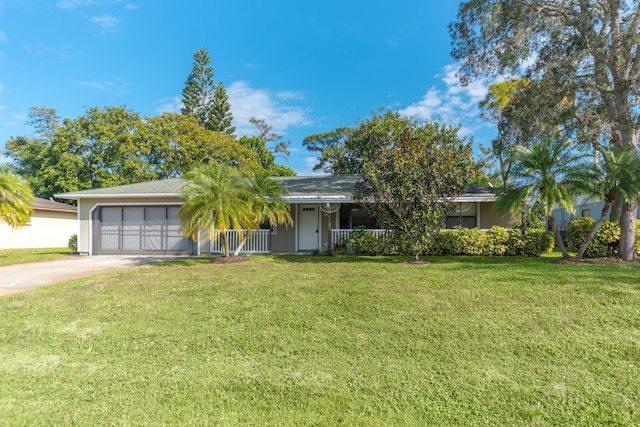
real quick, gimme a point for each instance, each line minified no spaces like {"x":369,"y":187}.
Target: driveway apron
{"x":23,"y":277}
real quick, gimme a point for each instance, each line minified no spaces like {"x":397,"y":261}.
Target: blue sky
{"x":303,"y":66}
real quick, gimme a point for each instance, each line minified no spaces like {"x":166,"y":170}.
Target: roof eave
{"x":76,"y":196}
{"x":320,"y":199}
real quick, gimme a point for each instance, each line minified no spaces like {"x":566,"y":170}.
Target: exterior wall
{"x":47,"y":229}
{"x":328,"y":221}
{"x":284,"y":240}
{"x":489,"y":217}
{"x":594,"y":208}
{"x":86,"y":207}
{"x":204,"y":243}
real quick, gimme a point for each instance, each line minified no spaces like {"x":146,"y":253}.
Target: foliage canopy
{"x":411,"y":173}
{"x":582,"y":55}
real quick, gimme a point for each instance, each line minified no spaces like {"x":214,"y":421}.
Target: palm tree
{"x":15,"y":199}
{"x":266,"y":203}
{"x":215,"y":199}
{"x":549,"y":171}
{"x":220,"y":198}
{"x":616,"y":177}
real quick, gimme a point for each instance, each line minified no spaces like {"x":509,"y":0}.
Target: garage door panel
{"x":110,"y":221}
{"x":142,"y":229}
{"x":153,"y":237}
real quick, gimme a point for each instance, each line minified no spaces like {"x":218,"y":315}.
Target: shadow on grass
{"x":470,"y":260}
{"x":185,"y":261}
{"x":6,"y":253}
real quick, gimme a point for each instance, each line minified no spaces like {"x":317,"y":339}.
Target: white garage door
{"x":134,"y":230}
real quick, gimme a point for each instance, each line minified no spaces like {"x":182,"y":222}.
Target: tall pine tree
{"x":205,"y":101}
{"x":221,"y":110}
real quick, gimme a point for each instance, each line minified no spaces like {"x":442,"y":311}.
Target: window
{"x":586,"y":213}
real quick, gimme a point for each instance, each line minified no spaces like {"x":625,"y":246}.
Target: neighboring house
{"x":583,"y":207}
{"x":143,"y":218}
{"x":50,"y":226}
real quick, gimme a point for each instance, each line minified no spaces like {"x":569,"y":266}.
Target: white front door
{"x":308,"y":227}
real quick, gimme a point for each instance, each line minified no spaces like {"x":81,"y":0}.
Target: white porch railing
{"x":339,"y":236}
{"x":257,"y":243}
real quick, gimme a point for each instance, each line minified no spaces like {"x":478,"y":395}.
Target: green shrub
{"x":515,"y":243}
{"x":495,"y":242}
{"x":73,"y":243}
{"x":605,"y":242}
{"x":470,"y":241}
{"x":458,"y":241}
{"x":637,"y":245}
{"x":364,"y":242}
{"x":444,"y":243}
{"x":536,"y":243}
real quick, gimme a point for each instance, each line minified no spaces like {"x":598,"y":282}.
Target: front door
{"x":308,"y":228}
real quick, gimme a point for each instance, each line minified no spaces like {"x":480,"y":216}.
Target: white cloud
{"x":453,"y":104}
{"x":108,"y":23}
{"x":169,"y":105}
{"x":3,"y":37}
{"x":131,"y":6}
{"x":3,"y":107}
{"x":427,"y":107}
{"x":309,"y":163}
{"x":247,"y":102}
{"x":72,"y":4}
{"x":290,"y":95}
{"x":118,"y":86}
{"x":63,"y":52}
{"x":392,"y":41}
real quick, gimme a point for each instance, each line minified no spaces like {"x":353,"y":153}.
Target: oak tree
{"x":413,"y":173}
{"x":585,"y":48}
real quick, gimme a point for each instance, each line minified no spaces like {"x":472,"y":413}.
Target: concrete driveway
{"x":23,"y":277}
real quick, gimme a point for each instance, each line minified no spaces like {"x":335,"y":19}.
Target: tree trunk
{"x":225,"y":243}
{"x":593,"y":232}
{"x":558,"y":238}
{"x":616,"y":210}
{"x":416,"y":256}
{"x":245,"y":236}
{"x":628,"y":231}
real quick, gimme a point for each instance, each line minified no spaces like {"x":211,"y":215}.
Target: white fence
{"x":257,"y":243}
{"x":339,"y":236}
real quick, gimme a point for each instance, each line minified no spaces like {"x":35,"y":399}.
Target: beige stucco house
{"x":50,"y":226}
{"x":143,"y":218}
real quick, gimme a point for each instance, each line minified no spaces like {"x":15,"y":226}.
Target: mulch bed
{"x":231,"y":259}
{"x":414,"y":262}
{"x":601,"y":260}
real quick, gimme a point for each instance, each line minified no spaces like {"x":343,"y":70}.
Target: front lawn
{"x":20,"y":256}
{"x":296,"y":340}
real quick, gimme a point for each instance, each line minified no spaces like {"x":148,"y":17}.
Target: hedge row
{"x":605,"y":242}
{"x":459,"y":241}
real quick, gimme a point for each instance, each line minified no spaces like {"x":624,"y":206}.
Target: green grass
{"x":19,"y":256}
{"x":295,"y":340}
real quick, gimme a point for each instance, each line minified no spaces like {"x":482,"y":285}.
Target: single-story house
{"x":50,"y":226}
{"x":583,"y":207}
{"x":143,"y":218}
